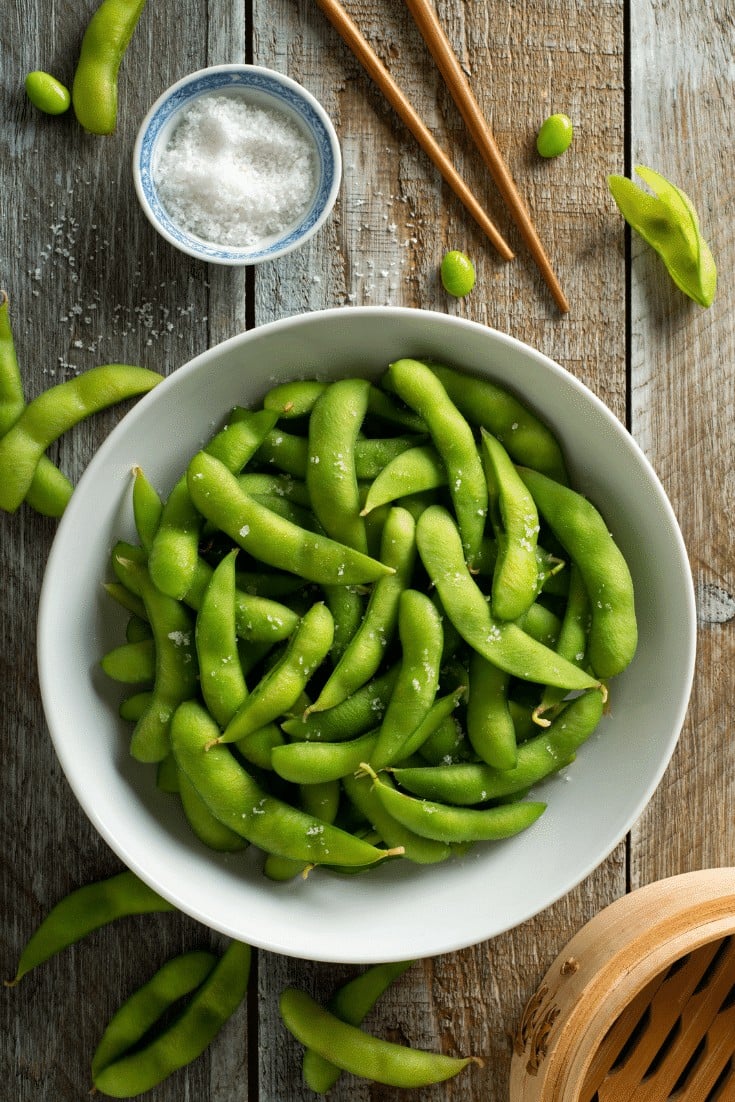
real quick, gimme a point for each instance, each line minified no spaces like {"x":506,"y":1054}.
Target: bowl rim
{"x":295,"y":236}
{"x":448,"y":942}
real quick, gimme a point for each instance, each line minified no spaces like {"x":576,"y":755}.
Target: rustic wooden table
{"x":646,"y":81}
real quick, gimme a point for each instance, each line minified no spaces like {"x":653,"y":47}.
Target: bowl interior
{"x":261,"y":88}
{"x":395,"y":911}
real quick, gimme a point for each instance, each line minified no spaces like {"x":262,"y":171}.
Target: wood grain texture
{"x":90,"y":281}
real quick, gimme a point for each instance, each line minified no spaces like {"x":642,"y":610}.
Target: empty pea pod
{"x":582,"y":531}
{"x":106,"y":38}
{"x":351,"y":1049}
{"x":133,"y":1056}
{"x":351,"y":1003}
{"x":235,"y":798}
{"x":271,"y":538}
{"x":452,"y":436}
{"x":85,"y":910}
{"x":55,"y":411}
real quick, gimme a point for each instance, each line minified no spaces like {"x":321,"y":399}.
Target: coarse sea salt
{"x":235,"y":173}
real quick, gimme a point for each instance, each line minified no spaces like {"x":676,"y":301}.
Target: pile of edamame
{"x":367,"y":620}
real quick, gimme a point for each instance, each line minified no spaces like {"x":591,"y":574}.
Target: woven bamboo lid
{"x":640,"y":1005}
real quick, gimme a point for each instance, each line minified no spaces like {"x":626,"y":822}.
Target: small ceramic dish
{"x":261,"y":167}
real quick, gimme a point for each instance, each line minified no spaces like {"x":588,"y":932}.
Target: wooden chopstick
{"x":370,"y":61}
{"x":448,"y":65}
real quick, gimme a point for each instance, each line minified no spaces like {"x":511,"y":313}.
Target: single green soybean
{"x":457,"y":273}
{"x":351,"y":1049}
{"x":452,"y":436}
{"x":85,"y":910}
{"x":668,"y":222}
{"x":54,"y":412}
{"x":47,"y":93}
{"x":95,"y":86}
{"x":503,"y":643}
{"x":366,"y":649}
{"x":555,"y":135}
{"x":271,"y":538}
{"x":281,"y":687}
{"x":538,"y":757}
{"x":331,"y":477}
{"x":582,"y":531}
{"x":235,"y":798}
{"x":485,"y":404}
{"x":133,"y":1056}
{"x":295,"y":398}
{"x":515,"y":520}
{"x":351,"y":1003}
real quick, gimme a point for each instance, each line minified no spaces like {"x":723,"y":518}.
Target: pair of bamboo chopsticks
{"x":446,"y":61}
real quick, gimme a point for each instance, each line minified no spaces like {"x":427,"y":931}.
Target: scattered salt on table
{"x":235,"y":173}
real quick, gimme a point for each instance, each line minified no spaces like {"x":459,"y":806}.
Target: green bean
{"x":503,"y":643}
{"x":135,"y":1056}
{"x":352,"y":1050}
{"x":411,"y":472}
{"x":282,"y":686}
{"x":106,"y":38}
{"x":515,"y":520}
{"x":366,"y":649}
{"x":358,"y":713}
{"x":289,"y":453}
{"x":420,"y":632}
{"x":421,"y":389}
{"x":490,"y":727}
{"x":270,"y":538}
{"x":234,"y":797}
{"x":85,"y":910}
{"x":439,"y":714}
{"x":220,"y":673}
{"x":582,"y":531}
{"x":50,"y":490}
{"x":176,"y":667}
{"x":351,"y":1003}
{"x":55,"y":411}
{"x":331,"y":479}
{"x":538,"y":757}
{"x":131,"y":663}
{"x":449,"y":823}
{"x":487,"y":405}
{"x":668,"y":222}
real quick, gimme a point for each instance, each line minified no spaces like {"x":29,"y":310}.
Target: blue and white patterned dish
{"x":264,"y":87}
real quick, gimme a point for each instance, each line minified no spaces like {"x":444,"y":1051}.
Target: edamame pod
{"x":94,"y":89}
{"x":221,"y":677}
{"x":412,"y":472}
{"x":355,"y":1051}
{"x":582,"y":531}
{"x":270,"y":538}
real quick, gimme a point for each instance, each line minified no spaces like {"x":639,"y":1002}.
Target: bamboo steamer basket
{"x":640,"y":1005}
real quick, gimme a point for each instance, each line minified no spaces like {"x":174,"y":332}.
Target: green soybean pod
{"x":134,"y":706}
{"x":366,"y":649}
{"x":209,"y":830}
{"x":571,"y":640}
{"x":413,"y":471}
{"x":415,"y":848}
{"x":316,"y":762}
{"x":281,"y":687}
{"x":295,"y":398}
{"x":257,"y":619}
{"x":131,"y":663}
{"x":215,"y":633}
{"x":322,"y":800}
{"x":94,"y":89}
{"x":486,"y":405}
{"x":351,"y":1003}
{"x":151,"y":1055}
{"x":452,"y":436}
{"x":85,"y":910}
{"x":490,"y":726}
{"x":514,"y":515}
{"x":271,"y":538}
{"x":358,"y":713}
{"x":583,"y":532}
{"x":351,"y":1049}
{"x":55,"y":411}
{"x":235,"y":798}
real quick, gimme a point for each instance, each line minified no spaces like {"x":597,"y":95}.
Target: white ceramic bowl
{"x":397,"y":910}
{"x":261,"y":88}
